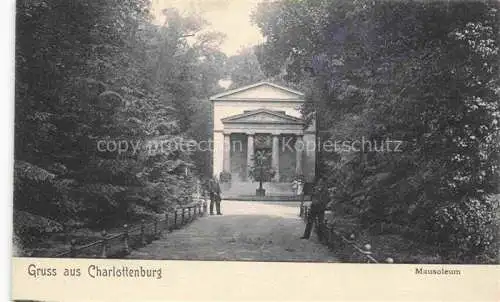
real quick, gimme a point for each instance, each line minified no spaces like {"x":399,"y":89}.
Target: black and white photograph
{"x":311,"y":131}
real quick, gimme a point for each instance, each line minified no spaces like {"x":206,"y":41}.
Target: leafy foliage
{"x":95,"y":82}
{"x":261,"y":170}
{"x":466,"y":225}
{"x":422,"y":73}
{"x":244,"y":68}
{"x":34,"y":225}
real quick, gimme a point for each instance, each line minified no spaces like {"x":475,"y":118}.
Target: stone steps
{"x":265,"y":198}
{"x":248,"y":188}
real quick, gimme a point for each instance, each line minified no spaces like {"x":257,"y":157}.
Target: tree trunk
{"x":260,"y":179}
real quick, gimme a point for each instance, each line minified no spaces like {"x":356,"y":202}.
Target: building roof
{"x":282,"y":93}
{"x":263,"y":116}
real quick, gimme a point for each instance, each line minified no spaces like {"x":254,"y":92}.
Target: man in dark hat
{"x":317,"y":210}
{"x":214,"y":190}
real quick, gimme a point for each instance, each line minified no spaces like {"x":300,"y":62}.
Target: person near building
{"x":298,"y":186}
{"x":319,"y":203}
{"x":215,"y":198}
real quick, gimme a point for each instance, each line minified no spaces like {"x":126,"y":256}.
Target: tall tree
{"x":244,"y":68}
{"x":424,"y":73}
{"x":98,"y":90}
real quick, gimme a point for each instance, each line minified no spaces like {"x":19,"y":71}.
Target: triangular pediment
{"x":260,"y":91}
{"x":262,"y":116}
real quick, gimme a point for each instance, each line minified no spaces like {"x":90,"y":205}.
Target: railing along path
{"x":333,"y":238}
{"x":119,"y":245}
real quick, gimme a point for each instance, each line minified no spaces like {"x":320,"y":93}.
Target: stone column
{"x":227,"y":153}
{"x":275,"y":162}
{"x":299,"y":150}
{"x":250,"y":151}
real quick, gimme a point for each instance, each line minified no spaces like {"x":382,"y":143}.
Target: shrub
{"x":299,"y":177}
{"x":467,"y":226}
{"x":28,"y":227}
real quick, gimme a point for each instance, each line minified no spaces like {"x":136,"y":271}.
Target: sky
{"x":231,"y":17}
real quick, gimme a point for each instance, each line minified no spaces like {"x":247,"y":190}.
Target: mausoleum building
{"x":263,"y":116}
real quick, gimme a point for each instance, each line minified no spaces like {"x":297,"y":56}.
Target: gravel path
{"x":248,"y":230}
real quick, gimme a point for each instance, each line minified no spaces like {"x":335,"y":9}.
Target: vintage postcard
{"x":256,"y":150}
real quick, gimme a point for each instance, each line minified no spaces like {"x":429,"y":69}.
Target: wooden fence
{"x":335,"y":240}
{"x":120,"y":245}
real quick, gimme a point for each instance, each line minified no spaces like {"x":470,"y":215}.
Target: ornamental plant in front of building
{"x":261,"y":170}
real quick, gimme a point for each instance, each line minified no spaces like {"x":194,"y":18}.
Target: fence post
{"x":157,"y":233}
{"x":325,"y":231}
{"x":143,"y":235}
{"x":194,"y":211}
{"x":205,"y":207}
{"x":166,"y":221}
{"x":327,"y":234}
{"x":104,"y":250}
{"x":72,"y":248}
{"x":182,"y":216}
{"x":67,"y":234}
{"x":126,"y":248}
{"x":331,"y":236}
{"x":175,"y":218}
{"x":347,"y":241}
{"x":189,"y":214}
{"x":367,"y":251}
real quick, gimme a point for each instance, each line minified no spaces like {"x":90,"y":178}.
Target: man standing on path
{"x":214,"y":189}
{"x":317,"y":210}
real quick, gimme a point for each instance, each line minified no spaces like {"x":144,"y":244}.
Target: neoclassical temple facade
{"x":262,"y":116}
